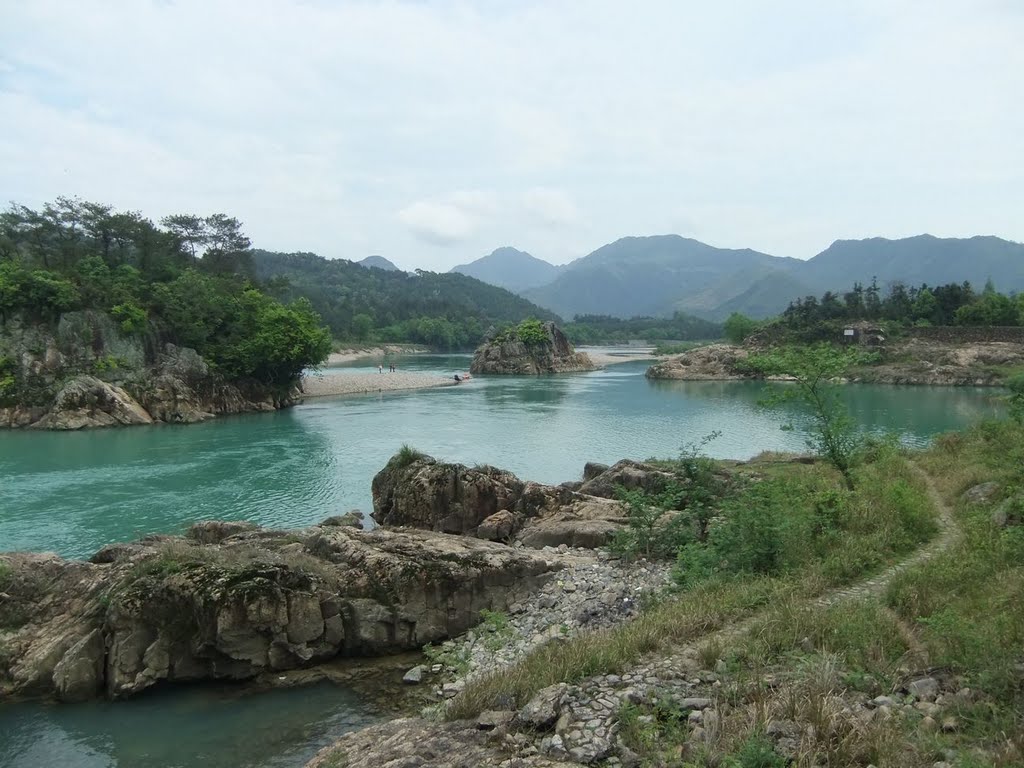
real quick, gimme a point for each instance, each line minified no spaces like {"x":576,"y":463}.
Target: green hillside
{"x":445,"y":311}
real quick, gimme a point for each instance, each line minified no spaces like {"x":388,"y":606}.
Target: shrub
{"x":407,"y":455}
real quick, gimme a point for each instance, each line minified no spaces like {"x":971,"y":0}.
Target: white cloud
{"x":552,"y":207}
{"x":439,"y":223}
{"x":552,"y":126}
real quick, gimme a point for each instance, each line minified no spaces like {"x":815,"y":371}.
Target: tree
{"x":737,"y":327}
{"x":362,"y":324}
{"x":814,"y":370}
{"x":189,"y":229}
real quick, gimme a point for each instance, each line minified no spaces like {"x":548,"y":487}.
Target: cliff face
{"x":83,"y":372}
{"x":511,"y":355}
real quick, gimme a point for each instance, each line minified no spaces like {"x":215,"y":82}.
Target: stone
{"x":694,"y":702}
{"x":215,"y":531}
{"x":924,"y":689}
{"x":883,"y":701}
{"x":353,"y":518}
{"x":415,"y":675}
{"x":541,"y":712}
{"x":86,"y":401}
{"x":79,"y":673}
{"x":491,"y":719}
{"x":1010,"y":512}
{"x":928,"y":724}
{"x":629,"y":474}
{"x":285,"y":604}
{"x":498,"y":527}
{"x":981,"y":493}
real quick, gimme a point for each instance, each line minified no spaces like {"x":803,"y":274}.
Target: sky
{"x":434,"y":131}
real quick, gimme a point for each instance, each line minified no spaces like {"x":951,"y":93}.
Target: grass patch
{"x":406,"y":455}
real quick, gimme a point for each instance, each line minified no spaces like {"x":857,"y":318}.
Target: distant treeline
{"x":443,"y":311}
{"x":187,"y":281}
{"x":600,"y":329}
{"x":950,"y":304}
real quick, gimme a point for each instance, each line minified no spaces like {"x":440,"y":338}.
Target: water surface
{"x":74,"y":492}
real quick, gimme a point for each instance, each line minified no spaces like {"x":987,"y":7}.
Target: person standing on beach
{"x":380,"y":368}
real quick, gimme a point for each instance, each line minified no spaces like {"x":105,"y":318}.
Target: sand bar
{"x":319,"y":385}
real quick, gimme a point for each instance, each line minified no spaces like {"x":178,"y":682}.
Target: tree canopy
{"x":187,"y":282}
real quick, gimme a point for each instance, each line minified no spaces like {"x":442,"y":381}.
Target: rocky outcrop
{"x":235,"y":601}
{"x":715,"y":362}
{"x":490,"y":503}
{"x":85,"y":401}
{"x":83,"y":373}
{"x":508,"y":354}
{"x":925,"y":362}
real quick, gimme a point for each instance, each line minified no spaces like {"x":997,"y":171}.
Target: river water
{"x":73,"y":492}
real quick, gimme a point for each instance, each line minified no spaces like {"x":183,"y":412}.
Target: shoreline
{"x":319,"y":385}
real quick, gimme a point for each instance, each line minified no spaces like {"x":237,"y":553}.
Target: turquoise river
{"x":73,"y":492}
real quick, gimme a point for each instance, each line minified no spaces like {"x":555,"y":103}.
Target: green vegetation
{"x":813,"y":319}
{"x":603,"y":329}
{"x":677,"y":348}
{"x":814,"y":370}
{"x":443,"y":311}
{"x":777,"y":532}
{"x":406,"y":455}
{"x":785,"y":532}
{"x":187,"y":282}
{"x":1015,"y":401}
{"x":738,"y":327}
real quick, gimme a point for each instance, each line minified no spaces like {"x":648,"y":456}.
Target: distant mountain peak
{"x":378,"y":262}
{"x":510,"y":268}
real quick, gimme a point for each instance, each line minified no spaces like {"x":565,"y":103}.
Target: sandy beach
{"x":349,"y":355}
{"x":319,"y":385}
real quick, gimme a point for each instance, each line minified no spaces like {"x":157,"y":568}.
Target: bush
{"x":531,"y":332}
{"x":407,"y":455}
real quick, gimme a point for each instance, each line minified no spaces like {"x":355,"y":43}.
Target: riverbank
{"x":913,"y":362}
{"x":320,"y":385}
{"x":378,"y":352}
{"x":864,"y":654}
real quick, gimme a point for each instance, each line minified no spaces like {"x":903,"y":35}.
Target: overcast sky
{"x":433,"y":131}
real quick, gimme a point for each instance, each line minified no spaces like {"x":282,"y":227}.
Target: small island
{"x":530,"y":348}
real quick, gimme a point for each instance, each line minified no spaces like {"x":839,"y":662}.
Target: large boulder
{"x":85,"y":401}
{"x":493,"y":504}
{"x":628,"y":474}
{"x":256,"y":601}
{"x":508,"y":354}
{"x":437,"y":496}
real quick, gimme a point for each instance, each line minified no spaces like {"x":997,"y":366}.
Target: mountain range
{"x":661,"y":274}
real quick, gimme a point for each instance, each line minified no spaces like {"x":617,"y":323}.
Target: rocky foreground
{"x":230,"y":600}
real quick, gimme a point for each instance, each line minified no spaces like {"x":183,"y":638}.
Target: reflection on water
{"x":184,"y":726}
{"x":74,"y":492}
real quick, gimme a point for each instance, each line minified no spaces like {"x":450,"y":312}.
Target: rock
{"x":928,"y":724}
{"x":883,"y":701}
{"x":415,"y":675}
{"x":216,"y":605}
{"x":592,"y":469}
{"x":568,"y":530}
{"x":215,"y":531}
{"x":694,"y":702}
{"x":79,"y":673}
{"x":491,"y":719}
{"x":498,"y":527}
{"x":510,"y":355}
{"x":541,"y":712}
{"x":714,"y":362}
{"x":450,"y":498}
{"x":1009,"y":513}
{"x":628,"y":474}
{"x":981,"y":493}
{"x":352,"y":519}
{"x":112,"y":553}
{"x":924,"y":689}
{"x":85,"y":401}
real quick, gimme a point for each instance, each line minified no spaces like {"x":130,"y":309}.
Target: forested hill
{"x":445,"y":311}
